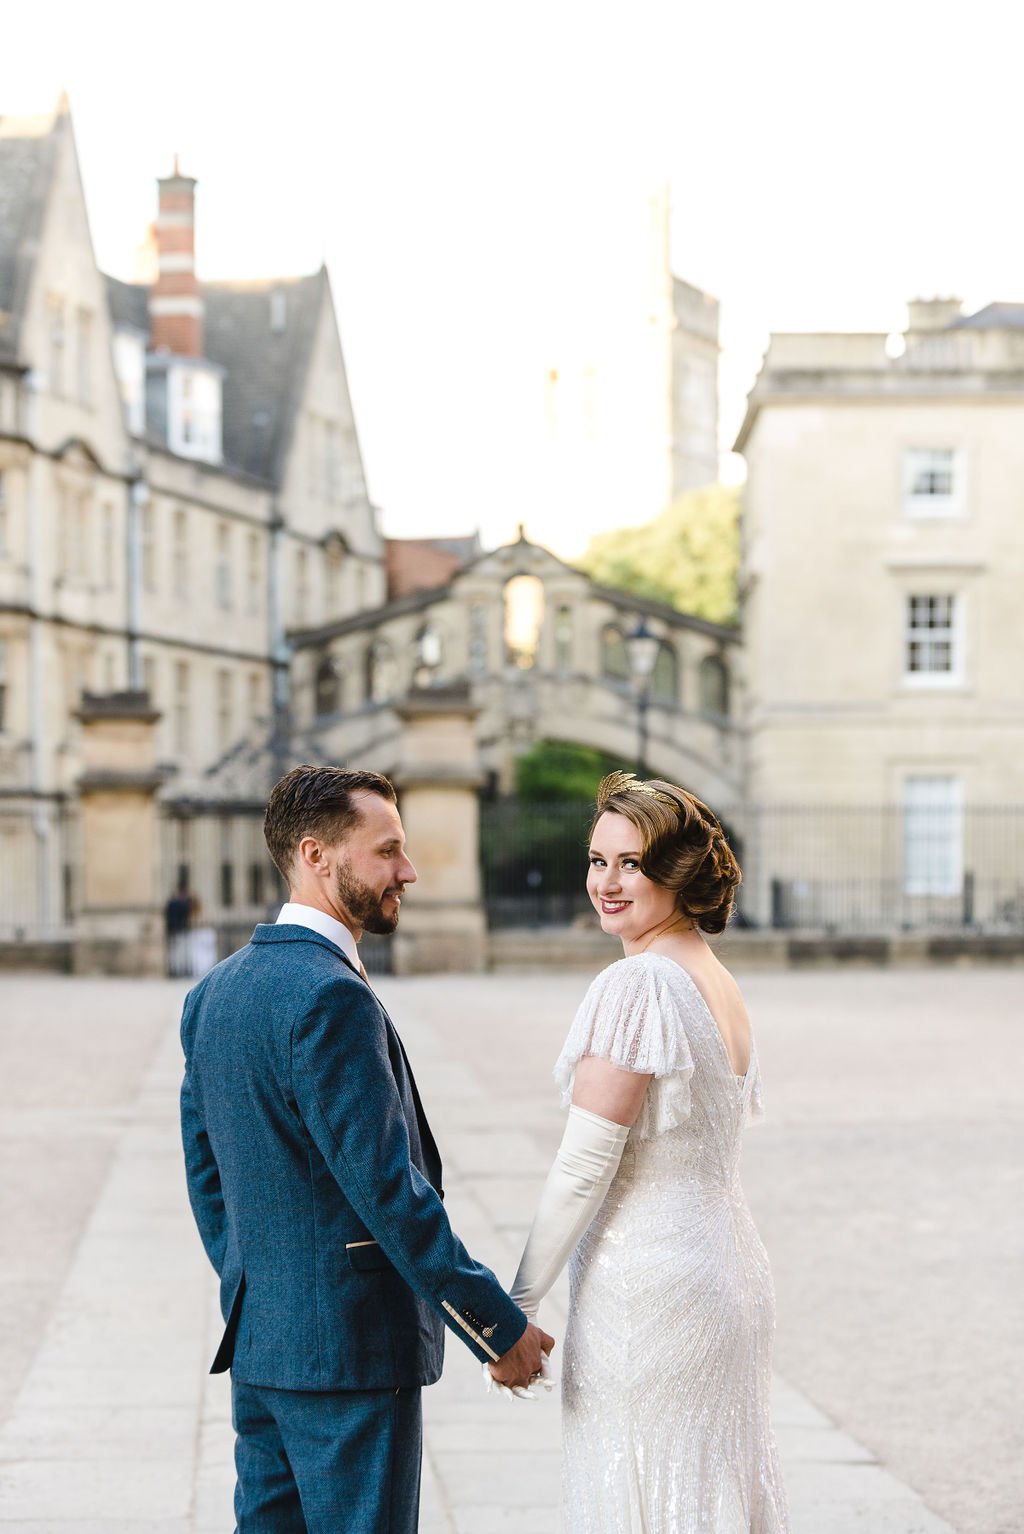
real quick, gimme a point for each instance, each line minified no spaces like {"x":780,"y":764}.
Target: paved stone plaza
{"x":886,"y":1181}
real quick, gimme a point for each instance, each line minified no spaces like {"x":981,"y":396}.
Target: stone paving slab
{"x":106,"y":1525}
{"x":118,"y":1376}
{"x":118,"y":1429}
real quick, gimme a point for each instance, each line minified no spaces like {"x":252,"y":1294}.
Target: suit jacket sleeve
{"x":201,"y":1173}
{"x":346,"y":1093}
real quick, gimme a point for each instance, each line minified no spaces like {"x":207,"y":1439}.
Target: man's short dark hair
{"x":316,"y":801}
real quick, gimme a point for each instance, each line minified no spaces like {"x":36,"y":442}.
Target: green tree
{"x":687,"y":557}
{"x":555,"y":771}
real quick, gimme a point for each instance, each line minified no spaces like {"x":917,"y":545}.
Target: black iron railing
{"x":832,"y":868}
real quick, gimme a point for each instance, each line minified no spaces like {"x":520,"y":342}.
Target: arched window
{"x":563,"y":638}
{"x":327,"y":687}
{"x":714,"y":686}
{"x":665,"y":676}
{"x":381,"y":672}
{"x":429,"y":648}
{"x":614,"y":656}
{"x":524,"y":614}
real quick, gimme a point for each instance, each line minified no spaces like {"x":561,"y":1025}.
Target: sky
{"x":477,"y":175}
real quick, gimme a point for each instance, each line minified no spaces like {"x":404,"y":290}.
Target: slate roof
{"x":993,"y":317}
{"x":261,"y":333}
{"x":129,"y":306}
{"x":27,"y":153}
{"x":264,"y":366}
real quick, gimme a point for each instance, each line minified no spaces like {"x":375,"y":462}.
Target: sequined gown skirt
{"x":667,"y":1367}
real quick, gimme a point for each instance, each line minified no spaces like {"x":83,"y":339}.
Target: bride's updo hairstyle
{"x":682,"y":845}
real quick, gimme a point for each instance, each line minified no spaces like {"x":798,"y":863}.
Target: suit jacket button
{"x":488,"y":1331}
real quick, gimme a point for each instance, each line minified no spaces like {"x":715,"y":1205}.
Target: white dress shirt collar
{"x":293,"y":914}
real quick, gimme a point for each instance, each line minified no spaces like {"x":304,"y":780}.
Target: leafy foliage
{"x":557,"y":772}
{"x":687,"y":557}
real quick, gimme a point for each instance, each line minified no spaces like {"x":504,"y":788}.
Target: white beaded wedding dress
{"x":666,"y":1370}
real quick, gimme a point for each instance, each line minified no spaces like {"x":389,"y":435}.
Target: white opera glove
{"x":582,"y":1172}
{"x":545,"y":1379}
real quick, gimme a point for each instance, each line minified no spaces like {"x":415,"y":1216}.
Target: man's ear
{"x":309,"y":857}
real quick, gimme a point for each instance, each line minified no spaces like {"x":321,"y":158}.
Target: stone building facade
{"x":543,"y":651}
{"x":185,"y":525}
{"x":180,"y":482}
{"x":882,"y":570}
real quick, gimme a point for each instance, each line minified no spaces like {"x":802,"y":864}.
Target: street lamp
{"x":642,"y":648}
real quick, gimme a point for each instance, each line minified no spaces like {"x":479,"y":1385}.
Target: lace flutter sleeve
{"x":630,"y":1017}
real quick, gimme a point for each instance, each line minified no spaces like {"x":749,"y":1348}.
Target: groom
{"x":316,"y":1185}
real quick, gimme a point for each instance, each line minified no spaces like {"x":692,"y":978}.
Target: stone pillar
{"x":442,"y":925}
{"x":118,"y":928}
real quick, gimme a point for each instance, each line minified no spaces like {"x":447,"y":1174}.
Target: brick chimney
{"x":175,"y":302}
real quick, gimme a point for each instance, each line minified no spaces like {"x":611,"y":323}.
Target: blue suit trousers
{"x":327,"y":1462}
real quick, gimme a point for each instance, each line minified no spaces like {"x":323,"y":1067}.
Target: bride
{"x":667,"y":1365}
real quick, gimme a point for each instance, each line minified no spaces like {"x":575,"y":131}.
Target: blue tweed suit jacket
{"x":316,"y":1183}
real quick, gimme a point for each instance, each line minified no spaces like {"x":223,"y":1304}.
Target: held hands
{"x":510,"y":1393}
{"x":523,"y":1365}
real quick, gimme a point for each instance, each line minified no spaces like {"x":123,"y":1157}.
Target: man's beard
{"x":363,"y":904}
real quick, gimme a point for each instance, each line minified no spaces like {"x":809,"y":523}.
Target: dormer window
{"x":130,"y":366}
{"x":184,"y":404}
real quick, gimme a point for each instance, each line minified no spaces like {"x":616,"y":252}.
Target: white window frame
{"x":929,"y":866}
{"x":940,"y":505}
{"x":954,"y":634}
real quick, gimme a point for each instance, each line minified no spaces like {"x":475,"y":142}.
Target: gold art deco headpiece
{"x":628,"y":782}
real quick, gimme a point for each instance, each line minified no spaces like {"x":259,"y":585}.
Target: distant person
{"x":202,"y":941}
{"x":316,"y":1186}
{"x":667,"y":1368}
{"x":177,"y":921}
